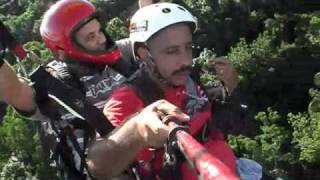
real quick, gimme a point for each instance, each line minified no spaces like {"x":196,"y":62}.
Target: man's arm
{"x":110,"y":156}
{"x":15,"y":92}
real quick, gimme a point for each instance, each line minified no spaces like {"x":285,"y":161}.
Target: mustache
{"x":182,"y":69}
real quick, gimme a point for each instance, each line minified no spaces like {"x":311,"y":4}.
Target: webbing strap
{"x":70,"y":98}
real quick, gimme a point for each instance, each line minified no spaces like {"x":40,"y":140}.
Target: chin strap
{"x":154,"y":71}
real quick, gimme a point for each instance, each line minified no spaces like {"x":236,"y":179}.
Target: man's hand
{"x":149,"y":122}
{"x":225,"y":72}
{"x":14,"y":91}
{"x":110,"y":156}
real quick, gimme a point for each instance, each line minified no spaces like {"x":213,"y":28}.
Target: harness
{"x":61,"y":93}
{"x":151,"y":93}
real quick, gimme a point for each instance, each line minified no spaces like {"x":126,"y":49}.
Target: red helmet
{"x":58,"y":26}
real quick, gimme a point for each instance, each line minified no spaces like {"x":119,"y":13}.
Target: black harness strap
{"x":145,"y":87}
{"x":69,"y":133}
{"x":46,"y":85}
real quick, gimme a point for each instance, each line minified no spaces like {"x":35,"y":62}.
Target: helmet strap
{"x":81,"y":67}
{"x":154,"y":71}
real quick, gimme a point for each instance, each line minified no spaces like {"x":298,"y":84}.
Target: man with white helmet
{"x":161,"y":36}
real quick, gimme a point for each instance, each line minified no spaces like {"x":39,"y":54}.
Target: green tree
{"x":21,"y":155}
{"x":117,"y":28}
{"x":269,"y":147}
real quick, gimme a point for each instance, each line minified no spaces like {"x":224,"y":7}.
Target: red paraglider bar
{"x":205,"y":165}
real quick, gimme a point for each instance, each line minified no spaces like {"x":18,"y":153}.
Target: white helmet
{"x":152,"y":18}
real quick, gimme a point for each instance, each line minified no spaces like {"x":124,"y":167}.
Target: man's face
{"x":171,"y":50}
{"x":91,"y":37}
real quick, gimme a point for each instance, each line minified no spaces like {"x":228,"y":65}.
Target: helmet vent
{"x":166,"y":10}
{"x":183,"y":9}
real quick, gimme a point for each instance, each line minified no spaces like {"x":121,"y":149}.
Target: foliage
{"x":207,"y":76}
{"x":275,"y":57}
{"x":38,"y":54}
{"x":39,"y":49}
{"x":269,"y":147}
{"x":306,"y":134}
{"x":314,"y":30}
{"x":285,"y":141}
{"x":22,"y":24}
{"x":20,"y":156}
{"x":219,"y":26}
{"x":114,"y":8}
{"x":252,"y":58}
{"x":117,"y":28}
{"x":13,"y":7}
{"x":276,"y":67}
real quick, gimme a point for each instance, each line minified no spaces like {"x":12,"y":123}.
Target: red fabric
{"x":124,"y":102}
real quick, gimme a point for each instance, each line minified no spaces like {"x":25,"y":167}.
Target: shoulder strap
{"x":60,"y":70}
{"x":145,"y":87}
{"x":72,"y":99}
{"x":125,"y":67}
